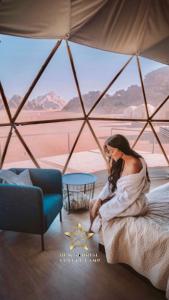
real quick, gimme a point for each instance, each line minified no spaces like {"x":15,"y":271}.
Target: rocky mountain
{"x":88,"y":99}
{"x":15,"y":101}
{"x":156,"y":85}
{"x":110,"y":103}
{"x":126,"y":102}
{"x":47,"y":101}
{"x":44,"y":102}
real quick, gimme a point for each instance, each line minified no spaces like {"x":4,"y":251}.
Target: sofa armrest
{"x":21,"y":208}
{"x":49,"y":180}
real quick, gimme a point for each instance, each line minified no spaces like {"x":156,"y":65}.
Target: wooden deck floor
{"x":27,"y":273}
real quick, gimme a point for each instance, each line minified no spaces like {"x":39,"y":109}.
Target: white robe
{"x":129,"y":198}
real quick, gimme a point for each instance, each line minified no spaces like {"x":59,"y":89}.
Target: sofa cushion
{"x":52,"y":204}
{"x":9,"y":177}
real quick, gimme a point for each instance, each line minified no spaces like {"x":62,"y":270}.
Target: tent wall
{"x":124,"y":26}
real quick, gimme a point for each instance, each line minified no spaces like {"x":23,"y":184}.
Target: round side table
{"x":78,"y":184}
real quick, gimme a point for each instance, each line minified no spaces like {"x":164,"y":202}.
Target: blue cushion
{"x":52,"y":204}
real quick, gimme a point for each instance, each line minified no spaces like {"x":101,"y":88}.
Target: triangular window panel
{"x":95,"y":69}
{"x":4,"y":132}
{"x":55,"y":93}
{"x":155,"y":79}
{"x":86,"y":156}
{"x":149,"y":148}
{"x":162,"y":130}
{"x":3,"y":114}
{"x":163,"y":112}
{"x":105,"y":129}
{"x":124,"y":99}
{"x":17,"y":156}
{"x":51,"y":143}
{"x":21,"y":59}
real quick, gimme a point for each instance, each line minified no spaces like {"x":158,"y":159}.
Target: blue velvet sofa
{"x":32,"y":209}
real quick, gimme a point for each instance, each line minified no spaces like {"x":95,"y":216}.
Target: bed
{"x":142,"y":242}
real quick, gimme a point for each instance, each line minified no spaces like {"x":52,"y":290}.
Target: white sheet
{"x":142,"y":243}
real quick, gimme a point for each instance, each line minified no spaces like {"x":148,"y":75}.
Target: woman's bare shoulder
{"x":134,"y":165}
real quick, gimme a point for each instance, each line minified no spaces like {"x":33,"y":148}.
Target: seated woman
{"x":128,"y":182}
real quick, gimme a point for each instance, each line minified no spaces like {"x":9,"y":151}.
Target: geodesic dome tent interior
{"x":74,"y":73}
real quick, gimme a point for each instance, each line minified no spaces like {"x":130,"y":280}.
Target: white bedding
{"x":142,"y":242}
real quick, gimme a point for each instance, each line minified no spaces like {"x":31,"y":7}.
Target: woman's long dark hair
{"x":119,"y":141}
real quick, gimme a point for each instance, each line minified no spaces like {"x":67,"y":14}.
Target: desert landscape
{"x":54,"y":140}
{"x":51,"y":143}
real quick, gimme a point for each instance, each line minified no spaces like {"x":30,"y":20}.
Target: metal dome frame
{"x":13,"y":123}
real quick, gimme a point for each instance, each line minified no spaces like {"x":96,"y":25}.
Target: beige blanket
{"x":142,"y":243}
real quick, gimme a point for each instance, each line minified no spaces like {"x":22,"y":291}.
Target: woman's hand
{"x":95,"y":208}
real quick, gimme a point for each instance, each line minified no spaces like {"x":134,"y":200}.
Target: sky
{"x":21,"y":58}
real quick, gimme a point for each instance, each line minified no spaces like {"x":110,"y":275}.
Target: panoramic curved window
{"x":59,"y":101}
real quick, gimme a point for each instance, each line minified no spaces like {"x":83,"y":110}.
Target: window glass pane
{"x":162,"y":130}
{"x":21,"y":59}
{"x":105,"y":129}
{"x":17,"y":155}
{"x":87,"y":156}
{"x":51,"y":143}
{"x":54,"y":93}
{"x":155,"y":79}
{"x":95,"y":69}
{"x":3,"y":114}
{"x":124,"y":99}
{"x":148,"y":146}
{"x":4,"y":132}
{"x":163,"y":112}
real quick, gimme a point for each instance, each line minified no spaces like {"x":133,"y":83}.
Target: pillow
{"x":11,"y":178}
{"x":6,"y":175}
{"x":160,"y":193}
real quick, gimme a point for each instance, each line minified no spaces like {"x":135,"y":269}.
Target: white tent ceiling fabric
{"x":123,"y":26}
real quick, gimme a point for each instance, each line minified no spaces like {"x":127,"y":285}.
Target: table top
{"x":79,"y":178}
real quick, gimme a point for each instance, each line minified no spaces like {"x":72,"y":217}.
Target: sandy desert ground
{"x":53,"y":139}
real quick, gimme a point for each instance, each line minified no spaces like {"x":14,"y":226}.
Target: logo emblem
{"x":79,"y":237}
